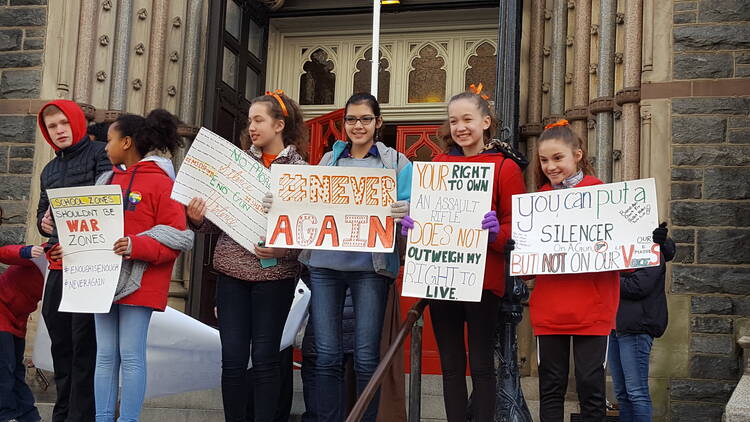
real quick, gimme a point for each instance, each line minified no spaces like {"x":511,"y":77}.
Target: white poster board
{"x":89,"y":220}
{"x":590,"y":229}
{"x":231,"y":182}
{"x":446,"y":251}
{"x":332,"y":208}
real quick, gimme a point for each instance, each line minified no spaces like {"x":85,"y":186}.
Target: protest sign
{"x":333,"y":208}
{"x":89,"y":220}
{"x":231,"y":182}
{"x":590,"y":229}
{"x":446,"y":250}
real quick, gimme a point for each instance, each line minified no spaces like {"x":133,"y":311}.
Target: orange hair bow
{"x":277,"y":94}
{"x":561,"y":122}
{"x":477,"y":89}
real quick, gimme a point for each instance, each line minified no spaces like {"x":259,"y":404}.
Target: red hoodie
{"x":146,"y":190}
{"x":575,"y":304}
{"x":75,"y":116}
{"x":507,"y":181}
{"x":20,"y":290}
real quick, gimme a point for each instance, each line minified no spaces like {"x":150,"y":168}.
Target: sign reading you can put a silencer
{"x":590,"y":229}
{"x":446,"y":249}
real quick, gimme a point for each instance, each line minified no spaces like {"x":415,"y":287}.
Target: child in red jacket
{"x":154,"y":235}
{"x":468,"y":138}
{"x":571,"y":307}
{"x":20,"y":291}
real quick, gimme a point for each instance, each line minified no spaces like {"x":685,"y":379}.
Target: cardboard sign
{"x":332,"y":208}
{"x":590,"y":229}
{"x":232,"y":183}
{"x":89,"y":220}
{"x":446,"y":251}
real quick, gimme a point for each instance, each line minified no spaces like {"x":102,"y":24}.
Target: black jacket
{"x":78,"y":165}
{"x":643,"y":302}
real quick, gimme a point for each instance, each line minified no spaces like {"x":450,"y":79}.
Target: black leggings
{"x":448,"y":320}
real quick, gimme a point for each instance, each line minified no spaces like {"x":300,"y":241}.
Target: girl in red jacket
{"x":468,"y":138}
{"x":154,"y":235}
{"x":565,"y":308}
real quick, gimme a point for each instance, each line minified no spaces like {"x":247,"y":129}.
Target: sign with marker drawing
{"x":590,"y":229}
{"x":230,"y":181}
{"x":332,"y":208}
{"x":89,"y":220}
{"x":446,"y":250}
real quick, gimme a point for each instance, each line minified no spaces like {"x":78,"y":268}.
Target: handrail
{"x":377,"y":377}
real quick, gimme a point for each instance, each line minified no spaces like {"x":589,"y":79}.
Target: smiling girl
{"x":252,"y":298}
{"x":565,"y":308}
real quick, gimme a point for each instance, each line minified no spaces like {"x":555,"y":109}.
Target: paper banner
{"x":590,"y":229}
{"x":89,"y":220}
{"x":332,"y":208}
{"x":232,"y":183}
{"x":446,"y":251}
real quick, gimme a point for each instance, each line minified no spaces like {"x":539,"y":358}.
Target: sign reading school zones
{"x":89,"y":220}
{"x":595,"y":228}
{"x":332,"y":208}
{"x":231,"y":182}
{"x":446,"y":250}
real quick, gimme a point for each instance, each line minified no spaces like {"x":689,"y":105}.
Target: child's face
{"x":117,"y":145}
{"x":559,"y":161}
{"x":467,"y":124}
{"x":262,"y":128}
{"x":59,"y":130}
{"x":361,"y":131}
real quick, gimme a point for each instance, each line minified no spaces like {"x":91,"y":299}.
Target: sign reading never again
{"x":590,"y":229}
{"x":446,"y":250}
{"x":332,"y":208}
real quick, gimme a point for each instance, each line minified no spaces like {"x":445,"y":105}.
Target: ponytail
{"x":155,"y":132}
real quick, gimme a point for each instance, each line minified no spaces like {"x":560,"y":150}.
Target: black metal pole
{"x":510,"y":405}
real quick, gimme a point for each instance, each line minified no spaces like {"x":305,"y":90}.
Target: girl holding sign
{"x":154,"y":235}
{"x":468,"y":137}
{"x":565,"y":308}
{"x":255,"y":289}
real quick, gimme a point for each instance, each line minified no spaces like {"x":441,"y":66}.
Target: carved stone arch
{"x":427,"y":76}
{"x":362,"y":70}
{"x":317,"y":75}
{"x":480,"y":64}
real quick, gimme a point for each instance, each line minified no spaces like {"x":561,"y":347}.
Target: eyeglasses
{"x":365,"y":120}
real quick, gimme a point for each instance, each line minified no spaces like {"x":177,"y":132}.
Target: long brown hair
{"x":561,"y":131}
{"x":444,"y":133}
{"x":295,"y":132}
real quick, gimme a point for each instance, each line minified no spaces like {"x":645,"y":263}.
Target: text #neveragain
{"x":230,"y":181}
{"x":446,"y":250}
{"x":89,"y":220}
{"x":590,"y":229}
{"x":332,"y":208}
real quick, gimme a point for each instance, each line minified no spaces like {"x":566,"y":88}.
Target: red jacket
{"x":507,"y":181}
{"x":20,"y":290}
{"x":575,"y":304}
{"x":146,"y":190}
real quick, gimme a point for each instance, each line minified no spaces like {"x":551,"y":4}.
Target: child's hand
{"x":37,"y":251}
{"x":267,"y":202}
{"x":268,"y":253}
{"x":48,"y":223}
{"x":660,"y":234}
{"x":196,"y":211}
{"x":407,"y":223}
{"x":123,"y":247}
{"x":399,"y":210}
{"x":56,"y":253}
{"x":491,"y":224}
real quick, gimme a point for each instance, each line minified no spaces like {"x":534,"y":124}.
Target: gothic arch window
{"x":317,"y":85}
{"x":362,"y":76}
{"x":427,"y":76}
{"x":482,"y":67}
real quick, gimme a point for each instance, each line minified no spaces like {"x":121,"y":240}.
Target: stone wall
{"x":710,"y":201}
{"x":22,"y":32}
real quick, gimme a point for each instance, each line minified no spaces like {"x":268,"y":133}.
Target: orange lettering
{"x":282,"y":226}
{"x":378,"y":231}
{"x":329,"y":228}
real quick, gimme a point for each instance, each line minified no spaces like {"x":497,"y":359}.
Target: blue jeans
{"x":628,"y":365}
{"x":16,"y":399}
{"x":369,"y":293}
{"x":121,"y":344}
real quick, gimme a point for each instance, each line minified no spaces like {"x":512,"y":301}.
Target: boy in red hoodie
{"x":20,"y":291}
{"x":78,"y":162}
